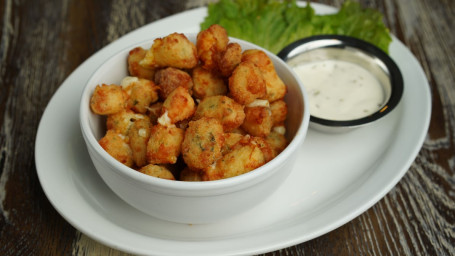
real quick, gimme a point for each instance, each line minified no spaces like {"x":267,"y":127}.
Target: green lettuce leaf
{"x":274,"y":24}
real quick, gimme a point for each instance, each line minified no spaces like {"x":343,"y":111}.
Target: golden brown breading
{"x":107,"y":99}
{"x":264,"y":146}
{"x":210,"y":43}
{"x":258,"y":121}
{"x":123,"y":120}
{"x":230,"y":140}
{"x":134,"y":69}
{"x":224,"y":109}
{"x":277,"y":141}
{"x":276,"y":89}
{"x":168,"y":79}
{"x":174,"y":50}
{"x":202,"y":144}
{"x":139,"y":134}
{"x":228,"y":60}
{"x":279,"y":110}
{"x":247,"y":83}
{"x":207,"y":83}
{"x":157,"y":171}
{"x":245,"y":156}
{"x":117,"y":146}
{"x":164,"y":144}
{"x":142,"y":92}
{"x":178,"y":106}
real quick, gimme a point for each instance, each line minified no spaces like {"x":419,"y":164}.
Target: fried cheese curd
{"x":229,"y":59}
{"x":141,"y":93}
{"x":134,"y":68}
{"x":164,"y":144}
{"x":170,"y":78}
{"x":194,"y":111}
{"x":202,"y":144}
{"x":275,"y":87}
{"x":174,"y":50}
{"x":107,"y":99}
{"x":117,"y":145}
{"x":157,"y":171}
{"x":178,"y":106}
{"x":258,"y":121}
{"x":246,"y":155}
{"x":123,"y":120}
{"x":139,"y":135}
{"x":210,"y":43}
{"x":246,"y":83}
{"x":207,"y":83}
{"x":224,"y":109}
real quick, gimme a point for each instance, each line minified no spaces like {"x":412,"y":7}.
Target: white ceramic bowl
{"x":192,"y":202}
{"x":337,"y":47}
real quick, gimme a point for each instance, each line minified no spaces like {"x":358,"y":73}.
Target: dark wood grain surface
{"x":43,"y":42}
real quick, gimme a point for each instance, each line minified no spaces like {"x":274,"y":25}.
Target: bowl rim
{"x":252,"y":177}
{"x":396,"y":78}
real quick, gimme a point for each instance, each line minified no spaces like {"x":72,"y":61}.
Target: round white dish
{"x":337,"y":177}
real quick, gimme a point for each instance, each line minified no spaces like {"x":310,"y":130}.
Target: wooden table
{"x":43,"y":42}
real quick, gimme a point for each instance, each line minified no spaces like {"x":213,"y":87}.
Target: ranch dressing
{"x":340,"y":90}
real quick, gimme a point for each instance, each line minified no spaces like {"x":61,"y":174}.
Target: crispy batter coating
{"x":245,"y":156}
{"x":164,"y":144}
{"x":279,"y":110}
{"x":134,"y":69}
{"x":142,"y":92}
{"x":157,"y":171}
{"x":247,"y":83}
{"x":117,"y":146}
{"x":202,"y":144}
{"x":265,"y":147}
{"x":178,"y":106}
{"x":174,"y":50}
{"x":189,"y":175}
{"x":210,"y":43}
{"x":258,"y":121}
{"x":276,"y":89}
{"x":207,"y":83}
{"x":224,"y":109}
{"x":107,"y":99}
{"x":230,"y":140}
{"x":277,"y":142}
{"x":123,"y":120}
{"x":229,"y":59}
{"x":139,"y":135}
{"x":168,"y":79}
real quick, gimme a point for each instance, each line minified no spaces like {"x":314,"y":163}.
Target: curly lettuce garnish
{"x":274,"y":24}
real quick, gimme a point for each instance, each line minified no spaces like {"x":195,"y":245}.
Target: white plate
{"x":337,"y":177}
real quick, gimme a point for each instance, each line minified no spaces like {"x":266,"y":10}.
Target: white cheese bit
{"x":131,"y":119}
{"x":128,"y":80}
{"x":164,"y":119}
{"x":279,"y":129}
{"x":213,"y":166}
{"x":259,"y":103}
{"x":142,"y":132}
{"x":121,"y":136}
